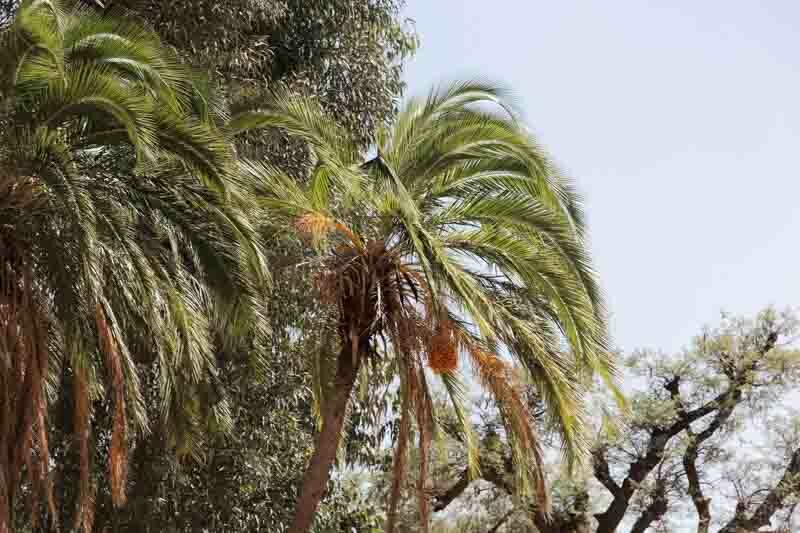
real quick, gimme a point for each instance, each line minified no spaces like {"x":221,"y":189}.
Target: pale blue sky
{"x":679,"y":120}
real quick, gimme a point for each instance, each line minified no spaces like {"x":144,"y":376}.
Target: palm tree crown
{"x":120,"y":225}
{"x":457,"y":243}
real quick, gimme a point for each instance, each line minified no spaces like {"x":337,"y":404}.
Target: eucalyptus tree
{"x":457,"y":244}
{"x":123,"y":242}
{"x":348,"y":53}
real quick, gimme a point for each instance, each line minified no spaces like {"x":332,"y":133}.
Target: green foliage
{"x":124,"y":230}
{"x":348,"y":53}
{"x":250,"y":411}
{"x":140,"y":239}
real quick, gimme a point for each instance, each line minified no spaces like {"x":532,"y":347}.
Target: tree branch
{"x":654,"y":511}
{"x":441,"y":501}
{"x":789,"y":485}
{"x":498,"y":479}
{"x":701,"y":503}
{"x":609,"y":520}
{"x":602,"y":471}
{"x":502,"y":521}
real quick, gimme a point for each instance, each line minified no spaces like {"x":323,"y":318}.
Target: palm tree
{"x":458,"y":244}
{"x":122,"y":242}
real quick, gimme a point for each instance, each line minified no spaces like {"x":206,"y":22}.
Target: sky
{"x":680,"y":123}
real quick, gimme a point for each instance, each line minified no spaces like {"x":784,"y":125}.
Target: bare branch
{"x":441,"y":501}
{"x":701,"y":503}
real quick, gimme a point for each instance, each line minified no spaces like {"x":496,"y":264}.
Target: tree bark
{"x":723,"y":404}
{"x":786,"y":488}
{"x":327,"y":441}
{"x":653,"y":512}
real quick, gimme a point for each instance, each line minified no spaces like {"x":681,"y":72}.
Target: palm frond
{"x":122,"y":209}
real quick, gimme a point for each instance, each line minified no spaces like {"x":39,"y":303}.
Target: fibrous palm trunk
{"x":326,"y":444}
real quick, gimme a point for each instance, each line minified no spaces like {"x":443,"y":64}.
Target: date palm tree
{"x":456,"y":246}
{"x":122,"y":242}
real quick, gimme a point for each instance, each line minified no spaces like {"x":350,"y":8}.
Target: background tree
{"x":710,"y":444}
{"x":347,"y":53}
{"x":698,"y":405}
{"x":7,"y":10}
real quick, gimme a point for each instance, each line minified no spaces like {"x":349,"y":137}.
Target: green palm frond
{"x":125,"y":221}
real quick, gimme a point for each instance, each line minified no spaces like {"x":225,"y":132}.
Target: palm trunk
{"x":327,"y":441}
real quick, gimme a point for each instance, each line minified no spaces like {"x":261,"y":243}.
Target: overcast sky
{"x":680,"y":122}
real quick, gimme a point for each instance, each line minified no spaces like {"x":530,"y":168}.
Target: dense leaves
{"x":348,"y":53}
{"x":350,"y":56}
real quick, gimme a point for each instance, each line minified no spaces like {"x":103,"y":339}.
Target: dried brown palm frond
{"x":118,"y":452}
{"x":499,"y":378}
{"x":24,"y":358}
{"x":416,"y":402}
{"x":45,"y":481}
{"x":400,"y":456}
{"x":316,"y":227}
{"x":84,"y":514}
{"x":425,"y":428}
{"x":38,"y":456}
{"x":371,"y":287}
{"x":20,"y":192}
